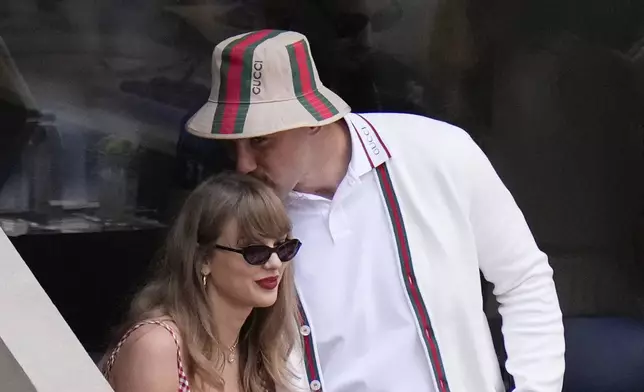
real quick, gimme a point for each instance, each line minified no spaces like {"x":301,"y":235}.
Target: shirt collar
{"x":368,"y":150}
{"x":359,"y":164}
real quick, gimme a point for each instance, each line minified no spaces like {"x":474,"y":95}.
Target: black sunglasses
{"x":259,"y":254}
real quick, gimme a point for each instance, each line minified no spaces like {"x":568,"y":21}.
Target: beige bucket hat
{"x":264,"y":82}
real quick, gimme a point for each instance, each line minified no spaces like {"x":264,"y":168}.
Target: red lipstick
{"x":268,"y":283}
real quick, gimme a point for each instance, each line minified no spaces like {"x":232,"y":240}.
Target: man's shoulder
{"x":405,"y":118}
{"x":415,"y":132}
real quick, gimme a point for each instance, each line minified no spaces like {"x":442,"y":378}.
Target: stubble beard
{"x":266,"y":180}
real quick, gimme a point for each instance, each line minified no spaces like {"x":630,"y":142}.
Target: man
{"x":397,"y":213}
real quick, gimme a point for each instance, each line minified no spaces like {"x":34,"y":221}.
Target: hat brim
{"x":266,"y":118}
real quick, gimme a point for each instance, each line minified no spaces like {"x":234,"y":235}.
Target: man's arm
{"x":510,"y":259}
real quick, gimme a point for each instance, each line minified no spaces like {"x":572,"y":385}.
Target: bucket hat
{"x":264,"y":82}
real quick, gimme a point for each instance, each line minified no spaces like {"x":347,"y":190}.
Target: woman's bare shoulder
{"x":146,"y":362}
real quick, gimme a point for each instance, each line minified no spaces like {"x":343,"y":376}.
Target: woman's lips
{"x":268,"y":283}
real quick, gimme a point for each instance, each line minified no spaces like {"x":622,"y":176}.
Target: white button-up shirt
{"x":349,"y":280}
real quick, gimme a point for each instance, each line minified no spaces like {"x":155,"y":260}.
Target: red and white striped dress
{"x":184,"y":385}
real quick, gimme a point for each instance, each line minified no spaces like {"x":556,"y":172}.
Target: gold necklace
{"x":232,"y":356}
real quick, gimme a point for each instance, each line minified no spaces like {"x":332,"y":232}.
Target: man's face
{"x":281,"y":160}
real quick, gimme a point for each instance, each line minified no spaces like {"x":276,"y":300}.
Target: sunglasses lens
{"x":257,"y":254}
{"x":260,"y":254}
{"x":288,"y":250}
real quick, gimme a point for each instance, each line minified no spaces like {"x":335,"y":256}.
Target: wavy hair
{"x":269,"y":334}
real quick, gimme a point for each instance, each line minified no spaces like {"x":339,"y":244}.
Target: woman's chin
{"x":265,"y":300}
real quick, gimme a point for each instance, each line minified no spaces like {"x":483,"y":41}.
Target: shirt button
{"x":305,"y":330}
{"x":315,"y":385}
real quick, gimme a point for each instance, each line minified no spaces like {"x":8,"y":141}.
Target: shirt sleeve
{"x":522,"y":277}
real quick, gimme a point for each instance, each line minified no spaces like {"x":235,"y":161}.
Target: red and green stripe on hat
{"x":266,"y":68}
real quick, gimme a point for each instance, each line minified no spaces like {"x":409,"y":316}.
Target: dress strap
{"x":184,"y":385}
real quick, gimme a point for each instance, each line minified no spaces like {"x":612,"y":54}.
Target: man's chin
{"x":279,"y":191}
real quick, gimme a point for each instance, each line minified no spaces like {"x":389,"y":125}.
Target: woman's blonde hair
{"x":269,"y":334}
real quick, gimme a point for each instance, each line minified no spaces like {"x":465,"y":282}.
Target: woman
{"x":220,"y":313}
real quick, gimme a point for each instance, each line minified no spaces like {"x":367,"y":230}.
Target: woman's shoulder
{"x":153,"y":337}
{"x":146,"y":359}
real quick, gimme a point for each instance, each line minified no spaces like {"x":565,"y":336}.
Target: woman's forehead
{"x":240,"y":234}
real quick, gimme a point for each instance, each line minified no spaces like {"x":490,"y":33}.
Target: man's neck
{"x":330,"y":163}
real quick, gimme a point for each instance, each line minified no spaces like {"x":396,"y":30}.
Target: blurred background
{"x":94,"y":159}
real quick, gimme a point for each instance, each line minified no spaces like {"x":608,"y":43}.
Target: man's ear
{"x":314,"y":130}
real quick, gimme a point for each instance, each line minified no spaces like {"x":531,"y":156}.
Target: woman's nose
{"x":273,"y":262}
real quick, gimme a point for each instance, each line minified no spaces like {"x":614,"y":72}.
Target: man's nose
{"x":245,"y":158}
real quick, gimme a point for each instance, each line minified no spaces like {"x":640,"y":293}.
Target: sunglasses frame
{"x":272,"y":249}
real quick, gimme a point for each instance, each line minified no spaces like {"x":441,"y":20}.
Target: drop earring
{"x":204,"y":280}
